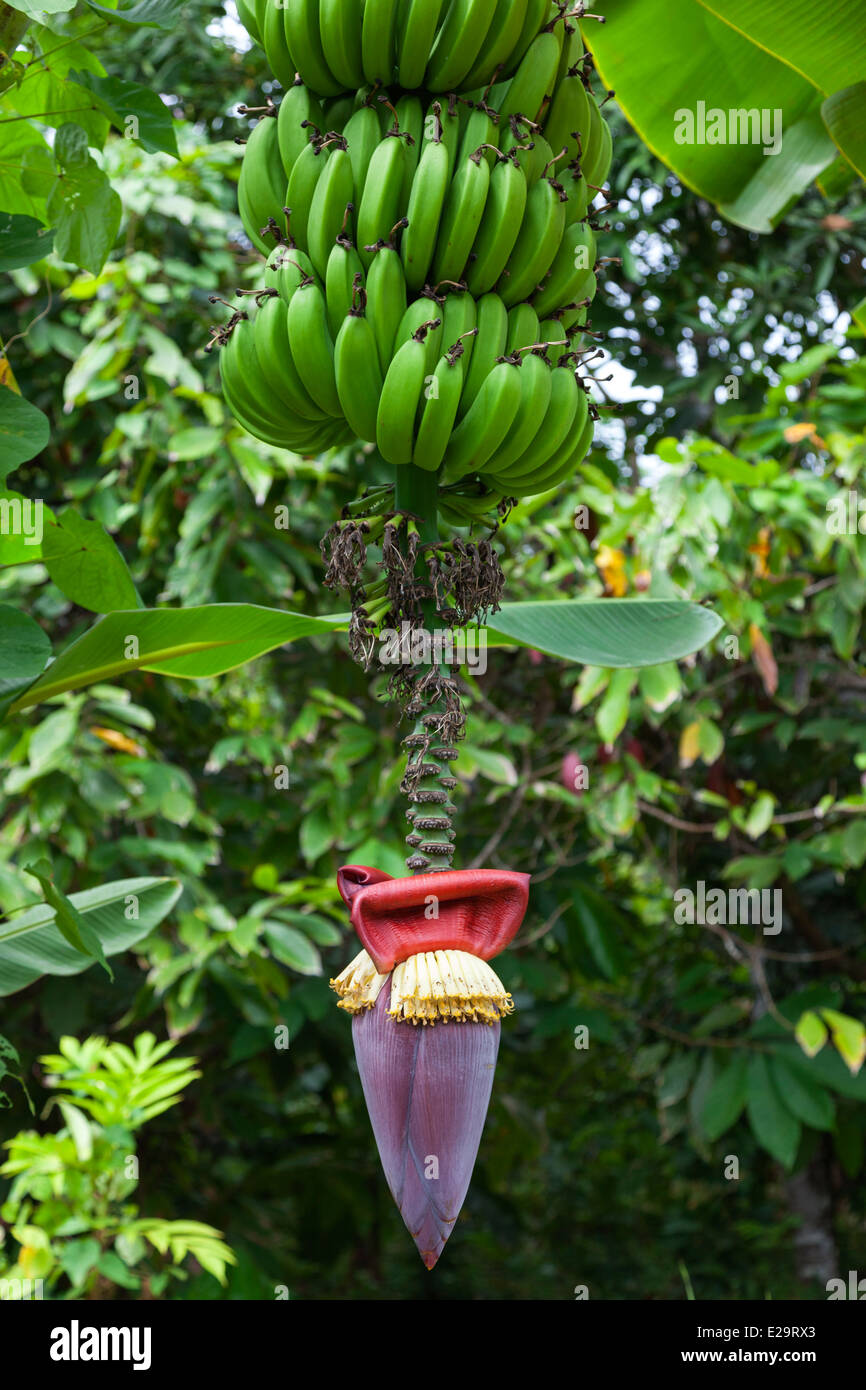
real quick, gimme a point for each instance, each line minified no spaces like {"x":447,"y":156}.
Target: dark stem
{"x":428,"y":781}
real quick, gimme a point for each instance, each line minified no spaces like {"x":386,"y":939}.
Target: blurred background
{"x":645,"y":1054}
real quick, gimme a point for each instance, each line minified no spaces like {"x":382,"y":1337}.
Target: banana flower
{"x":427,"y":941}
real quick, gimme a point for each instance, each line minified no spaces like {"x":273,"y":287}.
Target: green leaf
{"x":659,"y":71}
{"x":156,"y":14}
{"x":69,"y":921}
{"x":774,"y":1127}
{"x":726,"y":1098}
{"x":24,"y":650}
{"x":844,"y":114}
{"x":811,"y":1033}
{"x":23,"y":240}
{"x":83,"y":207}
{"x":137,"y":112}
{"x":77,"y":1259}
{"x":24,"y":431}
{"x":607,"y":632}
{"x":191,"y":643}
{"x":807,"y":1100}
{"x":760,"y":816}
{"x":293,"y":948}
{"x":79,"y":1128}
{"x":612,"y":714}
{"x":119,"y":914}
{"x":828,"y":55}
{"x":86,"y":565}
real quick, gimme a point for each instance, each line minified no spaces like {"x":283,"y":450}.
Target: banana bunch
{"x":436,"y":45}
{"x":435,"y":261}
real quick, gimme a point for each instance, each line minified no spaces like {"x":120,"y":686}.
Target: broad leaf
{"x":24,"y":650}
{"x":726,"y":1098}
{"x":73,"y":927}
{"x":806,"y":1099}
{"x":84,"y":208}
{"x":293,"y":948}
{"x":137,"y":112}
{"x":120,"y":914}
{"x":667,"y":76}
{"x":773,"y":1125}
{"x":190,"y":643}
{"x":23,"y":240}
{"x":24,"y":431}
{"x":844,"y":115}
{"x":607,"y":632}
{"x":86,"y":565}
{"x":156,"y":14}
{"x":801,"y":34}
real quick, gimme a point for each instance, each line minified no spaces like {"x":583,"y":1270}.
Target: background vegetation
{"x":601,"y":1165}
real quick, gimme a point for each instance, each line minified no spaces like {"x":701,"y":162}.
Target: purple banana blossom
{"x":427,"y":1092}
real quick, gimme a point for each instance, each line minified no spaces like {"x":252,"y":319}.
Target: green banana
{"x":535,"y":78}
{"x":358,"y":375}
{"x":386,"y":300}
{"x":459,"y":321}
{"x":309,"y":167}
{"x":537,"y":11}
{"x":478,"y":132}
{"x":439,"y":412}
{"x":398,"y":401}
{"x":304,"y":39}
{"x":458,"y":43}
{"x":499,"y":42}
{"x":426,"y":202}
{"x":523,"y":329}
{"x":461,"y":218}
{"x":564,"y":460}
{"x":558,"y":419}
{"x":278,"y":370}
{"x":298,"y":105}
{"x":260,"y":185}
{"x":287,"y":267}
{"x":416,"y":31}
{"x":280,"y":60}
{"x":330,"y":209}
{"x":409,"y":120}
{"x":569,"y":275}
{"x":537,"y":243}
{"x":419,"y":314}
{"x":492,"y":324}
{"x":485,"y":424}
{"x":312,"y":346}
{"x":247,"y":17}
{"x":499,"y":228}
{"x":535,"y":388}
{"x":567,"y":124}
{"x":381,"y":200}
{"x":243,"y":383}
{"x":362,"y":133}
{"x":379,"y":41}
{"x":595,"y":159}
{"x":340,"y":29}
{"x":343,"y":278}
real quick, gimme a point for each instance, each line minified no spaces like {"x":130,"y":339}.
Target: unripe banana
{"x":358,"y":375}
{"x":499,"y":228}
{"x":492,"y":323}
{"x":537,"y":244}
{"x":442,"y":393}
{"x":379,"y":41}
{"x":417,"y":29}
{"x":312,"y":346}
{"x":559,"y":417}
{"x":569,"y":276}
{"x":458,"y":43}
{"x":459,"y":320}
{"x":422,"y":313}
{"x":343,"y":279}
{"x":297,"y":106}
{"x":386,"y":301}
{"x":381,"y":206}
{"x":535,"y":79}
{"x":331,"y":208}
{"x":362,"y":133}
{"x":276,"y":47}
{"x":523,"y":329}
{"x":398,"y":402}
{"x":499,"y":43}
{"x":304,"y":40}
{"x":485,"y":424}
{"x":426,"y":202}
{"x":260,"y":186}
{"x":279,"y":373}
{"x":340,"y":31}
{"x":461,"y":218}
{"x":309,"y":167}
{"x":535,"y":389}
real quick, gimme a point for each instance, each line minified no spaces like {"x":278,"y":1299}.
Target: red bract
{"x":474,"y":910}
{"x":427,"y":1092}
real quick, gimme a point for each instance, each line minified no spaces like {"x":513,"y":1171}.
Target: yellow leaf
{"x":117,"y":740}
{"x":762,"y":655}
{"x":7,"y":376}
{"x":611,"y":566}
{"x":690,"y":747}
{"x":794,"y":433}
